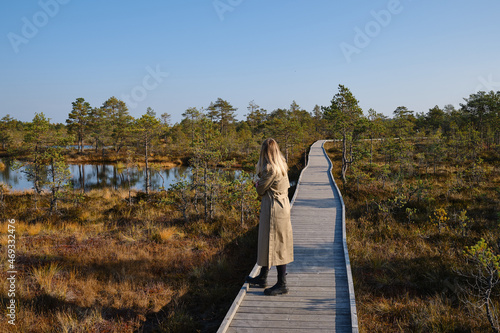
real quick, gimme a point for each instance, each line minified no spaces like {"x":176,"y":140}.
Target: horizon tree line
{"x":111,"y":128}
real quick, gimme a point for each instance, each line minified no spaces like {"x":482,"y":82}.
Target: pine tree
{"x":78,"y":120}
{"x":344,"y":115}
{"x":147,"y":129}
{"x":119,"y":121}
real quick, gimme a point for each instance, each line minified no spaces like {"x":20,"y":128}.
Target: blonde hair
{"x":271,"y":159}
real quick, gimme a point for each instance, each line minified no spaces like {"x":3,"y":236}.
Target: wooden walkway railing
{"x":321,"y":297}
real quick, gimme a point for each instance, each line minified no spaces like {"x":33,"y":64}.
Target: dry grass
{"x":44,"y":277}
{"x":89,"y":157}
{"x":405,"y":269}
{"x":109,"y":267}
{"x":170,"y":233}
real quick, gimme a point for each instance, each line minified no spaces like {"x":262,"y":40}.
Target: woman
{"x":275,"y":246}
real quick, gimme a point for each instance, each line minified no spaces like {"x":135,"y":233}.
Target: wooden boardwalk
{"x":321,"y":297}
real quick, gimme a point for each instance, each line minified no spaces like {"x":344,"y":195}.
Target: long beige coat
{"x":275,"y":228}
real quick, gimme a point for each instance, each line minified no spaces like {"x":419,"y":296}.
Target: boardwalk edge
{"x":239,"y":298}
{"x":352,"y":299}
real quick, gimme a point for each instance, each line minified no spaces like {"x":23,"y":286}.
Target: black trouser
{"x":281,"y":272}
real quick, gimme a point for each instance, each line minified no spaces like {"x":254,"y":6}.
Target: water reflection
{"x":16,"y":179}
{"x":98,"y":176}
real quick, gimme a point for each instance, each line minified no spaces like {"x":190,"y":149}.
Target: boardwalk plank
{"x":310,"y":305}
{"x":276,"y":330}
{"x":296,"y":293}
{"x":286,"y":316}
{"x":282,"y":324}
{"x":297,"y":298}
{"x":304,"y":311}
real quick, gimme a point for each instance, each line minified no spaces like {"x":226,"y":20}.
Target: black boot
{"x":280,"y":287}
{"x":261,"y":279}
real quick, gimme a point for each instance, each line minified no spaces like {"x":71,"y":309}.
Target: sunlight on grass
{"x":34,"y":229}
{"x":68,"y":322}
{"x":169,"y":233}
{"x":44,"y":276}
{"x":4,"y":240}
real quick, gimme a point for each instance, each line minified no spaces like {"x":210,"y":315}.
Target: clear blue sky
{"x":416,"y":53}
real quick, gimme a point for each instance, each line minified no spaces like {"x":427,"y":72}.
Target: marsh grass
{"x":107,"y":266}
{"x":44,"y":277}
{"x":89,"y":156}
{"x":405,"y":265}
